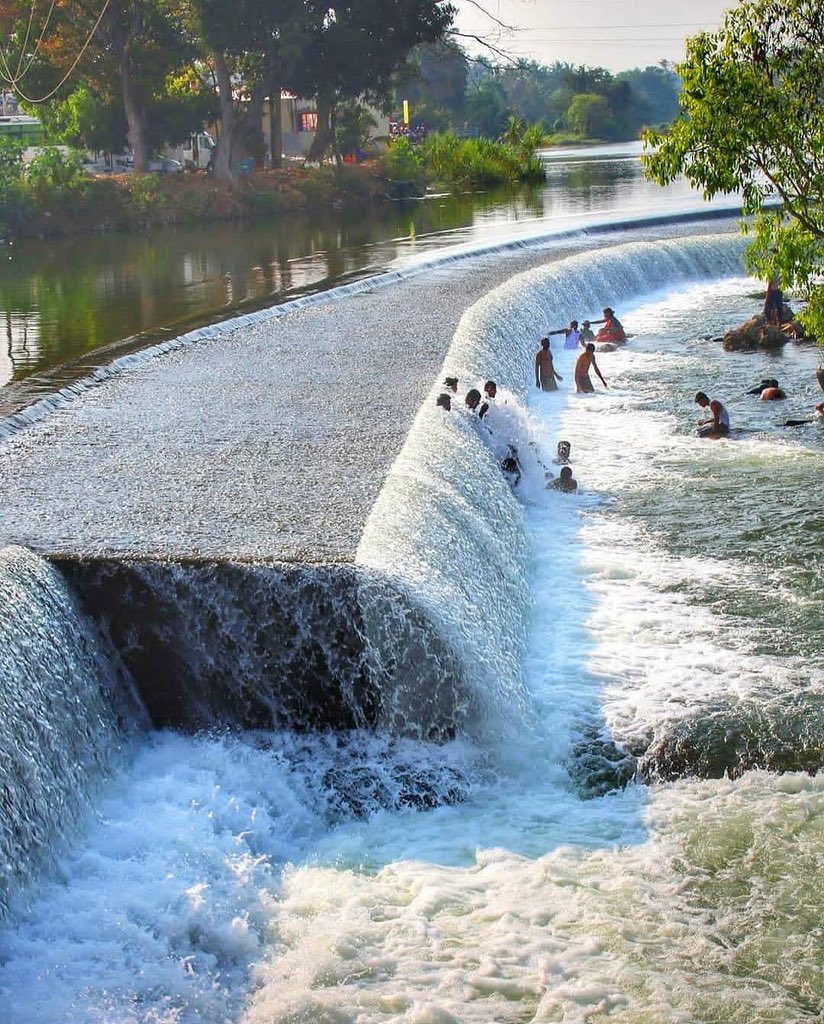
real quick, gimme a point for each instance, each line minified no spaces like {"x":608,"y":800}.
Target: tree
{"x":127,"y":51}
{"x":590,"y":116}
{"x":435,"y":76}
{"x":354,"y":123}
{"x":246,"y":43}
{"x":488,"y":108}
{"x":751,"y":123}
{"x":354,"y":48}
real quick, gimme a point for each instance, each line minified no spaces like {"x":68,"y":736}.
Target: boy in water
{"x":545,"y":375}
{"x":563,"y":452}
{"x":565,"y":482}
{"x":586,"y":360}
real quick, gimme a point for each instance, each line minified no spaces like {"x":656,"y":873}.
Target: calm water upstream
{"x":61,"y":299}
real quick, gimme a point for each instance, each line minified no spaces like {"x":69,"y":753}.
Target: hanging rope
{"x":14,"y":80}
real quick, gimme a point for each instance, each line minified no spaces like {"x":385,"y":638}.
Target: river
{"x":589,"y":790}
{"x":63,"y":299}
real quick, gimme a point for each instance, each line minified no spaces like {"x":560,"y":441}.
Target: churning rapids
{"x":545,"y":758}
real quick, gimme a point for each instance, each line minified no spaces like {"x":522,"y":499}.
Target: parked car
{"x":164,"y":165}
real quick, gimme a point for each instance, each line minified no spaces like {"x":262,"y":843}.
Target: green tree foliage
{"x":487,"y":107}
{"x":354,"y":49}
{"x":434,"y":78}
{"x":655,"y":94}
{"x":120,"y":88}
{"x":11,"y":167}
{"x":751,"y":123}
{"x":590,"y":116}
{"x":353,"y":125}
{"x":86,"y":120}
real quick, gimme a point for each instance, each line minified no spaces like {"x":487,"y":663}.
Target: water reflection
{"x":61,"y":299}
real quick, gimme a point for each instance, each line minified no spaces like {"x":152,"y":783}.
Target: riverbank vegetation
{"x":53,"y":196}
{"x":751,"y":123}
{"x":147,"y":73}
{"x":144,"y":74}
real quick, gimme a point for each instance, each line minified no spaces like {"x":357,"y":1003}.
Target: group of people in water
{"x":612,"y":333}
{"x":718,"y":425}
{"x":500,"y":435}
{"x":481,"y":405}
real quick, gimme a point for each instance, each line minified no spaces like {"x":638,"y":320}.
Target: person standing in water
{"x":585,"y":335}
{"x":582,"y":367}
{"x":545,"y":376}
{"x":719,"y":425}
{"x":571,"y":334}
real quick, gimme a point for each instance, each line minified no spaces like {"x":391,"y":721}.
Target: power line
{"x":14,"y":80}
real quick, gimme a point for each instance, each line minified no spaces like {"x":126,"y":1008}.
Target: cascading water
{"x":65,"y":713}
{"x":276,"y":877}
{"x":446,"y":524}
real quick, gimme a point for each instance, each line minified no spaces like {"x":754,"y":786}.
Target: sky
{"x":614,"y":34}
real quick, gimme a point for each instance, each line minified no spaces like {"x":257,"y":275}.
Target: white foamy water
{"x":233,"y":879}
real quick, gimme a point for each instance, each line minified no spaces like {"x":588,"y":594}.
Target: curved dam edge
{"x":29,"y":412}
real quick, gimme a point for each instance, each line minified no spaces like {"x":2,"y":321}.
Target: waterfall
{"x":66,"y":710}
{"x":446,"y":526}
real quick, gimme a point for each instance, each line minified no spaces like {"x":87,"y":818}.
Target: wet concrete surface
{"x":270,"y":443}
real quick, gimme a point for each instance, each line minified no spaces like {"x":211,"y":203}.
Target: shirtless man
{"x":719,"y":425}
{"x":582,"y":366}
{"x":545,"y":375}
{"x":566,"y":482}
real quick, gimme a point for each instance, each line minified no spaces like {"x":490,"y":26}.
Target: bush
{"x":56,"y":174}
{"x":148,"y":199}
{"x":403,"y":163}
{"x":11,"y":167}
{"x":482,"y":162}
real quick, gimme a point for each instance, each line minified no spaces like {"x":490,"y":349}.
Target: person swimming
{"x":563,"y":452}
{"x":511,"y":467}
{"x":444,"y":401}
{"x":565,"y":482}
{"x":767,"y":382}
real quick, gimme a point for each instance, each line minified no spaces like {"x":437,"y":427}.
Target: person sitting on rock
{"x":773,"y":301}
{"x":612,"y":330}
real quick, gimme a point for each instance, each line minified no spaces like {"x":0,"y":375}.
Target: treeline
{"x":148,"y":72}
{"x":449,"y":92}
